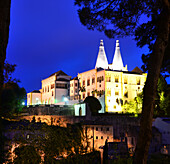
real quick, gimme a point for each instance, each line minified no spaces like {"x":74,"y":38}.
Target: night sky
{"x":46,"y":36}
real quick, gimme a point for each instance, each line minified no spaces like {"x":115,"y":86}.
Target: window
{"x":117,"y":93}
{"x":88,"y":93}
{"x":101,"y":137}
{"x":100,"y":85}
{"x":83,"y":95}
{"x":107,"y":129}
{"x":52,"y":86}
{"x":125,"y":81}
{"x":79,"y":84}
{"x":93,"y":80}
{"x":108,"y":79}
{"x":108,"y":92}
{"x":126,"y":94}
{"x":83,"y":82}
{"x":132,"y":141}
{"x":48,"y":88}
{"x":76,"y":84}
{"x":114,"y":106}
{"x":96,"y":128}
{"x":116,"y":79}
{"x":138,"y":88}
{"x":138,"y":81}
{"x":96,"y":137}
{"x":61,"y":85}
{"x":52,"y":93}
{"x":116,"y":85}
{"x":101,"y":129}
{"x":88,"y":82}
{"x":99,"y":79}
{"x":107,"y":137}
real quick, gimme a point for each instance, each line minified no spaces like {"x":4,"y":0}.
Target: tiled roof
{"x":137,"y":70}
{"x":58,"y":73}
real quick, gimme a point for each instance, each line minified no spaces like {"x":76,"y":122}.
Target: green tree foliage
{"x":162,"y":102}
{"x":26,"y":154}
{"x":135,"y":105}
{"x":94,"y":104}
{"x":12,"y":97}
{"x":122,"y":18}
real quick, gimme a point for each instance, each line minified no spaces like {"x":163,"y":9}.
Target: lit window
{"x":138,"y":81}
{"x":116,"y":79}
{"x":108,"y":79}
{"x":117,"y":93}
{"x":88,"y":82}
{"x":125,"y":81}
{"x":109,"y":92}
{"x":52,"y":86}
{"x":93,"y":80}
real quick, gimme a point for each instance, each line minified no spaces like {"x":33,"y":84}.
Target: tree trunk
{"x":4,"y":33}
{"x":145,"y":133}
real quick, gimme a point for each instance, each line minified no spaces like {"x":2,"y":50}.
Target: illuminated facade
{"x":55,"y":89}
{"x":111,"y":83}
{"x":113,"y":86}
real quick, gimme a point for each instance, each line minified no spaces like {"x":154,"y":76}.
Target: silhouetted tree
{"x":105,"y":153}
{"x":119,"y":17}
{"x":4,"y":33}
{"x":12,"y":96}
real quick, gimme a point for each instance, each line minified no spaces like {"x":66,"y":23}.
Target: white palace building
{"x":112,"y":84}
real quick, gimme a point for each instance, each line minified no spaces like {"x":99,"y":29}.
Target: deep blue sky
{"x":46,"y":36}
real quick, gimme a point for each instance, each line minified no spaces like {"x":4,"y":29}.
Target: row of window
{"x":101,"y":129}
{"x":116,"y":80}
{"x":72,"y":85}
{"x":101,"y":137}
{"x":58,"y":85}
{"x":99,"y":93}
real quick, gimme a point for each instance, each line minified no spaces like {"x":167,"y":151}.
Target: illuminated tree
{"x":122,"y":18}
{"x":26,"y":154}
{"x":135,"y":105}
